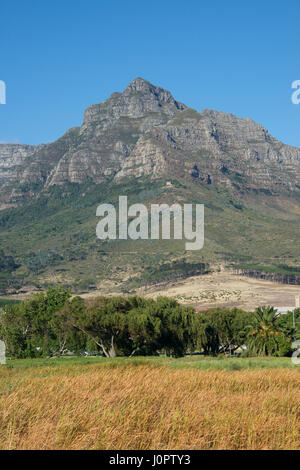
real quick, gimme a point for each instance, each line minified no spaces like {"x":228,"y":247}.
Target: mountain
{"x":94,"y":152}
{"x":133,"y":143}
{"x":145,"y":131}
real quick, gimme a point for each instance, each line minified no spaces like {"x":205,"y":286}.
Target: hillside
{"x":133,"y":144}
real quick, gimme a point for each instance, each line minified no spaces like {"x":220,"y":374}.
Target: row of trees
{"x":53,"y":323}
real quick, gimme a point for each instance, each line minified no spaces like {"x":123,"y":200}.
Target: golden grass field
{"x":111,"y":406}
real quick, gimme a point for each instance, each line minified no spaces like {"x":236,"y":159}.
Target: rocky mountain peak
{"x":139,"y":84}
{"x":157,"y":94}
{"x":138,"y":99}
{"x":144,"y":131}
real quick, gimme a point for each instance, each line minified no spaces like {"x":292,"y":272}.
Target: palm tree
{"x":266,"y":316}
{"x":265,"y":334}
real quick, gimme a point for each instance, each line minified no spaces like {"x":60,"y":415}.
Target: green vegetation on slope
{"x":52,"y":239}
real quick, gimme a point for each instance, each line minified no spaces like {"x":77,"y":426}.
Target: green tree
{"x":222,"y":330}
{"x":103,"y":320}
{"x":268,"y":335}
{"x":231,"y":327}
{"x":28,"y":327}
{"x":120,"y":326}
{"x":176,"y":326}
{"x":207,"y":338}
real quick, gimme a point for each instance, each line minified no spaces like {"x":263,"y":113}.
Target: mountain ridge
{"x":144,"y":131}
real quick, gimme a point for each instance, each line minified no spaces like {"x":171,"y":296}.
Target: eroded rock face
{"x":144,"y":131}
{"x":138,"y":100}
{"x":12,"y":158}
{"x":227,"y":150}
{"x":110,"y":132}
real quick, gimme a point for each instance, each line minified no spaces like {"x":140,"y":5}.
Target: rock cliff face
{"x":217,"y":148}
{"x":13,"y":157}
{"x":145,"y":131}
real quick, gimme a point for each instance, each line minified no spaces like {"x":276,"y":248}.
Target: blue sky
{"x":57,"y":57}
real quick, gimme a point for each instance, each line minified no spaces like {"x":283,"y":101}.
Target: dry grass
{"x":144,"y":407}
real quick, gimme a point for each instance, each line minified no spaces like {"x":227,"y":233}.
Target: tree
{"x":14,"y":331}
{"x":103,"y":320}
{"x":268,"y":334}
{"x":222,"y":330}
{"x":68,"y":338}
{"x":207,"y":336}
{"x":28,"y":327}
{"x":176,"y":326}
{"x":287,"y":321}
{"x":134,"y":325}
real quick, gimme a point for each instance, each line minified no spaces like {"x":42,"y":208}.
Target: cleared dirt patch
{"x":226,"y":289}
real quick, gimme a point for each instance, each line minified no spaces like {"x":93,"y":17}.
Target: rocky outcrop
{"x":139,"y":100}
{"x":219,"y":148}
{"x":13,"y":157}
{"x":144,"y":131}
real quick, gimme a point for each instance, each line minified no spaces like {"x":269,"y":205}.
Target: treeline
{"x":166,"y":272}
{"x":53,"y":323}
{"x":282,"y":273}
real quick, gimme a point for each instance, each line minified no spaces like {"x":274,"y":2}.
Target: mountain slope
{"x":134,"y":143}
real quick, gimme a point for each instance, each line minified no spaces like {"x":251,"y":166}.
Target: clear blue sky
{"x":57,"y":57}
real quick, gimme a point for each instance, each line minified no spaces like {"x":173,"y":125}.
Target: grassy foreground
{"x":149,"y":403}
